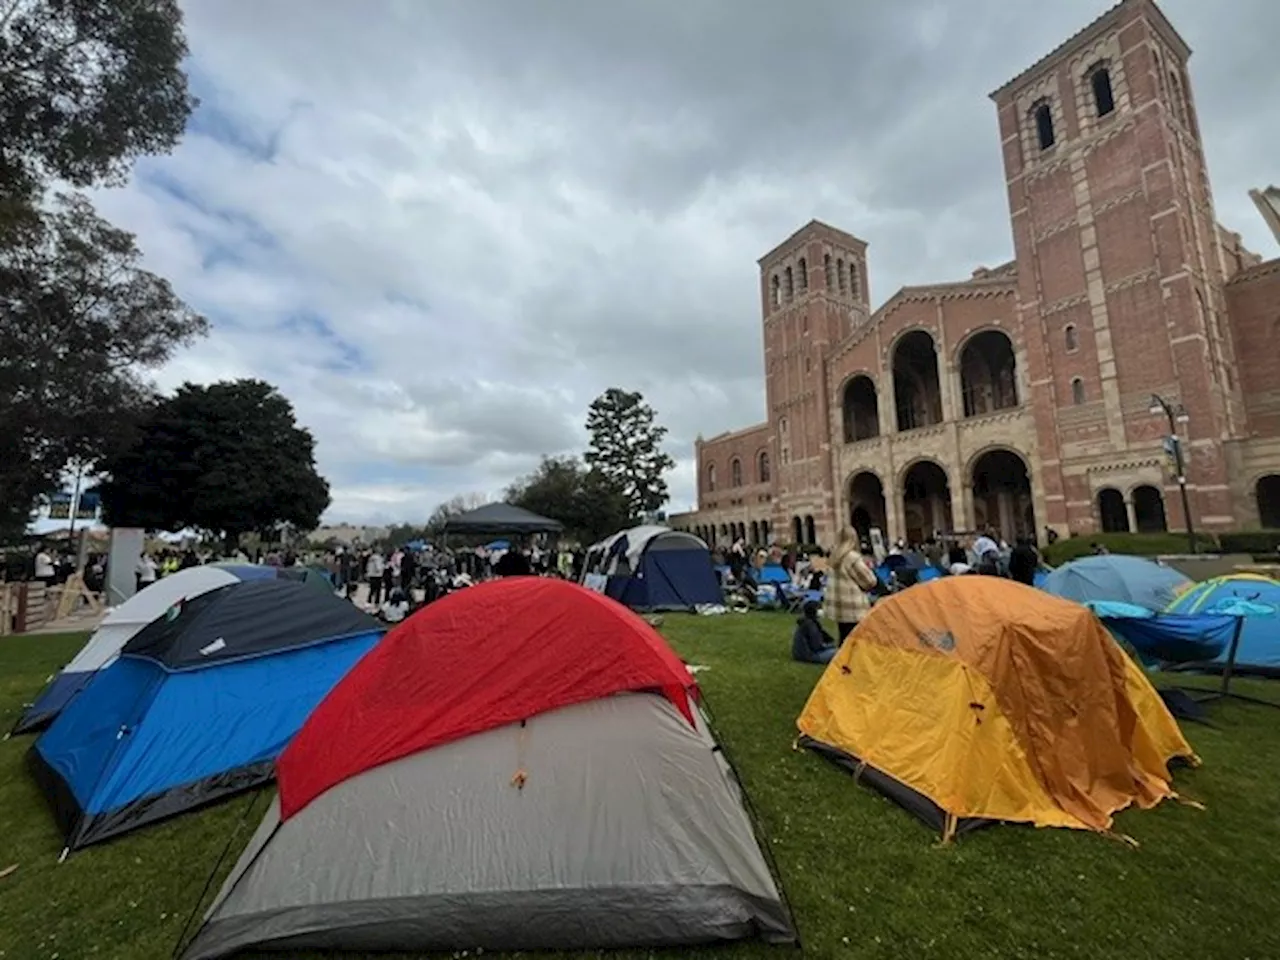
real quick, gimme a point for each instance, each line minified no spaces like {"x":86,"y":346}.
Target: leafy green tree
{"x":80,"y":322}
{"x":228,"y":457}
{"x":585,"y":501}
{"x":626,"y":448}
{"x":86,"y":87}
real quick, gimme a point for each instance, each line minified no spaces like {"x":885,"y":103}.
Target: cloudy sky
{"x":442,"y":228}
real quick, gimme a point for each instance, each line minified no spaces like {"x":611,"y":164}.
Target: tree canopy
{"x":80,"y":321}
{"x":228,"y":457}
{"x":86,"y":87}
{"x":626,"y":449}
{"x":588,"y":504}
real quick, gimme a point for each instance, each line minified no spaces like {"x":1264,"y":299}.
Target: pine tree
{"x":626,"y":449}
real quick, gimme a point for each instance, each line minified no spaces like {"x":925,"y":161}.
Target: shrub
{"x":1262,"y":543}
{"x":1137,"y":544}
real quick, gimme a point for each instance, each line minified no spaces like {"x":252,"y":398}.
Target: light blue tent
{"x":1259,"y":651}
{"x":1119,"y":578}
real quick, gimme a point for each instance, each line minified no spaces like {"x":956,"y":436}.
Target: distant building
{"x":1268,"y":202}
{"x":1021,"y":397}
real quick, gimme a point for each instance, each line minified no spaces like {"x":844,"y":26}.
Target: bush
{"x":1137,"y":544}
{"x":1260,"y":543}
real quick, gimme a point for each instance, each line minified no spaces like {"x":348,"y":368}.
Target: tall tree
{"x":626,"y":448}
{"x":584,"y":500}
{"x":228,"y":457}
{"x":80,"y":322}
{"x":86,"y":87}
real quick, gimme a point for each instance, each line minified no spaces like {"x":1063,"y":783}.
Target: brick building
{"x":1023,"y":397}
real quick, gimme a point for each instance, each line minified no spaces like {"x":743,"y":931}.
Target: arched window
{"x":1103,"y":97}
{"x":840,"y":274}
{"x":828,"y":271}
{"x":776,"y":291}
{"x":1043,"y":118}
{"x":735,"y":472}
{"x":762,"y":466}
{"x":782,"y":425}
{"x":804,"y":274}
{"x":853,"y":279}
{"x":711,"y":476}
{"x":1077,"y":391}
{"x":1069,"y":335}
{"x":788,"y":284}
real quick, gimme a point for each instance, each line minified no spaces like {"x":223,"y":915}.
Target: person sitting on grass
{"x":810,"y":643}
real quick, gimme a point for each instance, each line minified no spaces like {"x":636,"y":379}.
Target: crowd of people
{"x":852,"y":583}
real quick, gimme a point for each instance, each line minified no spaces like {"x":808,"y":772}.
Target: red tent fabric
{"x":478,"y":659}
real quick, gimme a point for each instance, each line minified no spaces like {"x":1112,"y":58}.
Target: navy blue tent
{"x":654,"y":568}
{"x":198,"y":706}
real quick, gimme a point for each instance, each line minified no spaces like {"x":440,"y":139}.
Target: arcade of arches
{"x":998,"y":496}
{"x":1141,"y":512}
{"x":759,"y":533}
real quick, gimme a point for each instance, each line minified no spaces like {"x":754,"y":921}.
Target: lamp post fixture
{"x":1175,"y":416}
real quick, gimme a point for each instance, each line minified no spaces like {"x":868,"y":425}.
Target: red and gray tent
{"x":521,"y":765}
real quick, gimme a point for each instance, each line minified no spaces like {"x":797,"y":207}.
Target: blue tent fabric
{"x":1253,"y":596}
{"x":1134,"y":580}
{"x":1167,"y":637}
{"x":673,"y":571}
{"x":152,"y":735}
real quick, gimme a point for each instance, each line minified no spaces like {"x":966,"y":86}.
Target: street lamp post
{"x":1176,"y":416}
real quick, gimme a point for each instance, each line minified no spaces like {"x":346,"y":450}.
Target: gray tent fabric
{"x":629,"y":831}
{"x":496,"y":518}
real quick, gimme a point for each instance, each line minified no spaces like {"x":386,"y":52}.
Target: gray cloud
{"x":491,"y":211}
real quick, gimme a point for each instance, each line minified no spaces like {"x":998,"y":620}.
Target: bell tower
{"x":1119,"y":268}
{"x":814,"y":293}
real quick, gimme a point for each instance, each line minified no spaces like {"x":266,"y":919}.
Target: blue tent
{"x":1259,"y":650}
{"x":1115,"y":577}
{"x":654,"y":568}
{"x":1166,"y":637}
{"x":124,"y":621}
{"x":198,"y":706}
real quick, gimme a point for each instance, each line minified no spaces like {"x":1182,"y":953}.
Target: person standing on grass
{"x":851,"y":579}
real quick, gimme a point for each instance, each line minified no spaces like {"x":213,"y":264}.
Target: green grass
{"x":864,"y":878}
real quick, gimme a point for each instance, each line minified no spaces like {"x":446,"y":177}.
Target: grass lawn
{"x":864,"y":878}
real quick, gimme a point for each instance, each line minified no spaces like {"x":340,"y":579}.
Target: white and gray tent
{"x":608,"y":820}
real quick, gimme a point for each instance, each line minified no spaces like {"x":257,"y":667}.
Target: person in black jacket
{"x":810,"y":643}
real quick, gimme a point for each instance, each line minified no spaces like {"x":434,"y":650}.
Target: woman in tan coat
{"x":851,"y":578}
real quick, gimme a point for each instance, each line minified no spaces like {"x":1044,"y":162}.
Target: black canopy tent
{"x":497,"y":518}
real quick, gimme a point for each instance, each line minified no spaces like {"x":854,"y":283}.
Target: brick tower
{"x":813,"y":289}
{"x":1120,"y":275}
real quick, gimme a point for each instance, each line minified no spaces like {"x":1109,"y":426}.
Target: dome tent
{"x":1115,"y":577}
{"x":653,"y":568}
{"x":559,"y":738}
{"x":121,"y":624}
{"x":197,"y":707}
{"x":972,"y":700}
{"x":1259,"y":650}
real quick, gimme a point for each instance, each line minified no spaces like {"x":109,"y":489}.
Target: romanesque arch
{"x":861,"y":407}
{"x":988,"y":373}
{"x":810,"y":531}
{"x":1113,"y":515}
{"x":926,"y":500}
{"x":867,"y":506}
{"x":1001,"y":481}
{"x":797,"y":530}
{"x":917,"y":390}
{"x":1148,"y":509}
{"x":1267,"y":492}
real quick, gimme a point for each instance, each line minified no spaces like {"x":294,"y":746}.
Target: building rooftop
{"x":1100,"y":26}
{"x":1268,"y":203}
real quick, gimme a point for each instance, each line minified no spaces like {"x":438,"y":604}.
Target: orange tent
{"x":974,"y":699}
